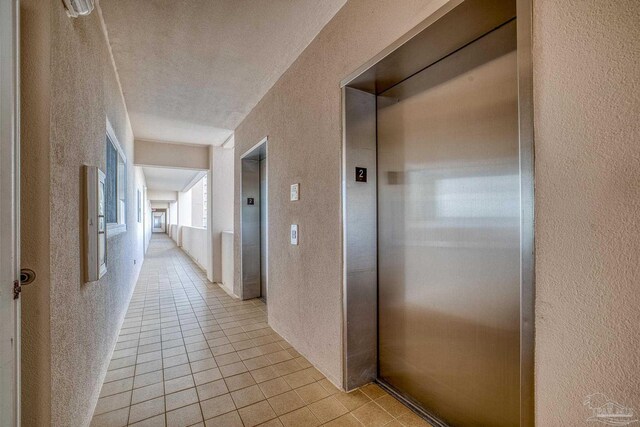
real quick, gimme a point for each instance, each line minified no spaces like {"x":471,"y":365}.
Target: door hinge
{"x":16,"y":289}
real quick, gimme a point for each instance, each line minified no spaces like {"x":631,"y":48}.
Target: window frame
{"x":115,"y":228}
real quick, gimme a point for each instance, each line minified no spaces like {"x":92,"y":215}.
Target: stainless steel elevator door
{"x":449,"y":235}
{"x":263,"y":229}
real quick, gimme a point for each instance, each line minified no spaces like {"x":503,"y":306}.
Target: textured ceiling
{"x":191,"y":70}
{"x":167,"y":179}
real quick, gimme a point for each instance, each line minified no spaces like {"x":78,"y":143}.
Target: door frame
{"x":251,"y":188}
{"x":264,"y":207}
{"x":403,"y":58}
{"x":9,"y":213}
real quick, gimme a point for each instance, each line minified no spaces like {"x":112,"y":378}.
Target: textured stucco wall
{"x":587,"y":109}
{"x":586,"y":83}
{"x":301,"y":116}
{"x":163,"y":154}
{"x":83,"y":318}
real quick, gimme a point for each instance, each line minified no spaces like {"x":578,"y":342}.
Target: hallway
{"x":188,"y":353}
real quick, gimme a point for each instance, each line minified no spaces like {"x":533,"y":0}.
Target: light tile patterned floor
{"x":190,"y":355}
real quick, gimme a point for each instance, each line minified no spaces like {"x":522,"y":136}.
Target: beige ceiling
{"x":191,"y":70}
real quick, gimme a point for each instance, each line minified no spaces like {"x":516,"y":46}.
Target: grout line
{"x":171,"y":296}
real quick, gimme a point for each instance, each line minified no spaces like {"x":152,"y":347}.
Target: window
{"x":115,"y":184}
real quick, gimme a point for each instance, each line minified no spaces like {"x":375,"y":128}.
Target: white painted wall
{"x":159,"y":205}
{"x":173,"y":232}
{"x":172,"y":220}
{"x":184,"y":214}
{"x":140,"y":185}
{"x":147,"y":221}
{"x":184,"y":208}
{"x":194,"y":242}
{"x":227,"y":261}
{"x":221,"y":207}
{"x":161,"y":195}
{"x":173,"y":213}
{"x":197,"y":203}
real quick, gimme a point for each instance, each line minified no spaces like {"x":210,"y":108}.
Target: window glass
{"x":111,"y":183}
{"x":122,"y":185}
{"x":115,"y":184}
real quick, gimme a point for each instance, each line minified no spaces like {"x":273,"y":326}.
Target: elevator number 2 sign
{"x":361,"y":174}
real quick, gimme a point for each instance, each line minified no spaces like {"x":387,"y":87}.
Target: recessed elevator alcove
{"x":438,"y":263}
{"x":254,"y":222}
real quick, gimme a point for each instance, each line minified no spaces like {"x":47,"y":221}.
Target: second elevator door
{"x":448,"y":230}
{"x":264,"y":203}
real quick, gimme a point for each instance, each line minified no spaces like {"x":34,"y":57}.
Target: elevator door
{"x":263,"y":229}
{"x":449,"y":225}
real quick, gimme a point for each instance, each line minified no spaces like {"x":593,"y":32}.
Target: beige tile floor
{"x":190,"y":355}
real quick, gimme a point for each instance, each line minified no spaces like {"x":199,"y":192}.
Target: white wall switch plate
{"x":295,"y":192}
{"x":294,"y":234}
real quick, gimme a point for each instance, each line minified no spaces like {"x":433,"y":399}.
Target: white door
{"x":9,"y":214}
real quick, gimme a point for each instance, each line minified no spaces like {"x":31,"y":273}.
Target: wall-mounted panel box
{"x":95,"y":227}
{"x":295,"y":192}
